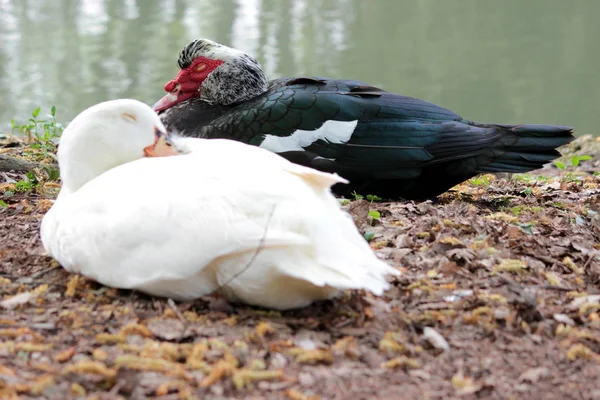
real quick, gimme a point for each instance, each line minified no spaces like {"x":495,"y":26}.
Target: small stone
{"x":166,"y":328}
{"x":277,"y":361}
{"x":306,"y":379}
{"x":435,"y":339}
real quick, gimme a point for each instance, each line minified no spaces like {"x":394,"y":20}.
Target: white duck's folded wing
{"x":140,"y":224}
{"x":267,"y":232}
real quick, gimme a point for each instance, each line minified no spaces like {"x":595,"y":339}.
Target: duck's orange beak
{"x":161,"y":147}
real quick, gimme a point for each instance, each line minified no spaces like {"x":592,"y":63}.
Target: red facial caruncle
{"x":187,"y":83}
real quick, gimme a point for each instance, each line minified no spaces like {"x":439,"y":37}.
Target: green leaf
{"x":3,"y":204}
{"x":372,"y":197}
{"x":8,"y":193}
{"x":575,"y":161}
{"x":369,"y":236}
{"x":31,"y":177}
{"x":53,"y":174}
{"x":374,"y":214}
{"x":357,"y":196}
{"x":23,"y":186}
{"x":53,"y":111}
{"x":559,"y":164}
{"x":36,"y":112}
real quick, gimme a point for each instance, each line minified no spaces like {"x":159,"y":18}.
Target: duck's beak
{"x":161,"y":147}
{"x":175,"y":96}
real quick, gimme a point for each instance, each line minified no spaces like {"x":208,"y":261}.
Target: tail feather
{"x":540,"y":130}
{"x":525,"y":148}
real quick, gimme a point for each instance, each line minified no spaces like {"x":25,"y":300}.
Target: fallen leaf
{"x":21,"y":298}
{"x":564,"y":318}
{"x":579,"y":301}
{"x":534,"y":374}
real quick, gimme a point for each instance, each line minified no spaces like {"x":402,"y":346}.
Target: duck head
{"x":163,"y":146}
{"x":214,"y":73}
{"x":104,"y":136}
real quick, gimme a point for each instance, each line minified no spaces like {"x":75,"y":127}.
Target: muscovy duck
{"x":269,"y":234}
{"x":385,"y":144}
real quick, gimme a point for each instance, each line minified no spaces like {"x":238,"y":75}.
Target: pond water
{"x":509,"y":61}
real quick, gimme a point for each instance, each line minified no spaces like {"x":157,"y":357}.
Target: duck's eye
{"x":128,"y":117}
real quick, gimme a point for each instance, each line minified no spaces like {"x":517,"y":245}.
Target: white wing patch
{"x":332,"y":131}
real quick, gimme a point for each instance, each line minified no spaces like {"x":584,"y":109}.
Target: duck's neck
{"x":234,"y":82}
{"x":80,"y":161}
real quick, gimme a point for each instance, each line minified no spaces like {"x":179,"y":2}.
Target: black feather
{"x":401,"y":147}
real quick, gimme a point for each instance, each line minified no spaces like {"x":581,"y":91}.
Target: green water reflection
{"x":507,"y":61}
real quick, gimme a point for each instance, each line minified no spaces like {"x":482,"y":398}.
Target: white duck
{"x":226,"y":217}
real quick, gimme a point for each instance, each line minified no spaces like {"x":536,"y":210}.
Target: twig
{"x":175,"y":309}
{"x":43,"y":272}
{"x":30,"y":196}
{"x":28,"y":281}
{"x":261,"y":244}
{"x":177,"y":312}
{"x":554,"y":287}
{"x":117,"y":387}
{"x":589,"y":260}
{"x":157,"y":304}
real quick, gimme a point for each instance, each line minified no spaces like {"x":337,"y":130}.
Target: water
{"x":509,"y":61}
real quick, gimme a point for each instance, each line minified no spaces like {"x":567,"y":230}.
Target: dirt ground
{"x":500,"y":299}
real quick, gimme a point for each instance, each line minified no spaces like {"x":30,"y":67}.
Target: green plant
{"x":481,"y":180}
{"x":357,"y":196}
{"x":370,"y":197}
{"x":527,"y":191}
{"x":573,"y":162}
{"x":529,"y":178}
{"x":41,"y":133}
{"x":374,"y":214}
{"x":27,"y":184}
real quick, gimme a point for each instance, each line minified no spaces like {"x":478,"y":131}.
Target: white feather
{"x":332,"y":131}
{"x":226,"y":216}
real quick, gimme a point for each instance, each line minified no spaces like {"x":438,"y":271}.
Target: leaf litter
{"x":499,"y":298}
